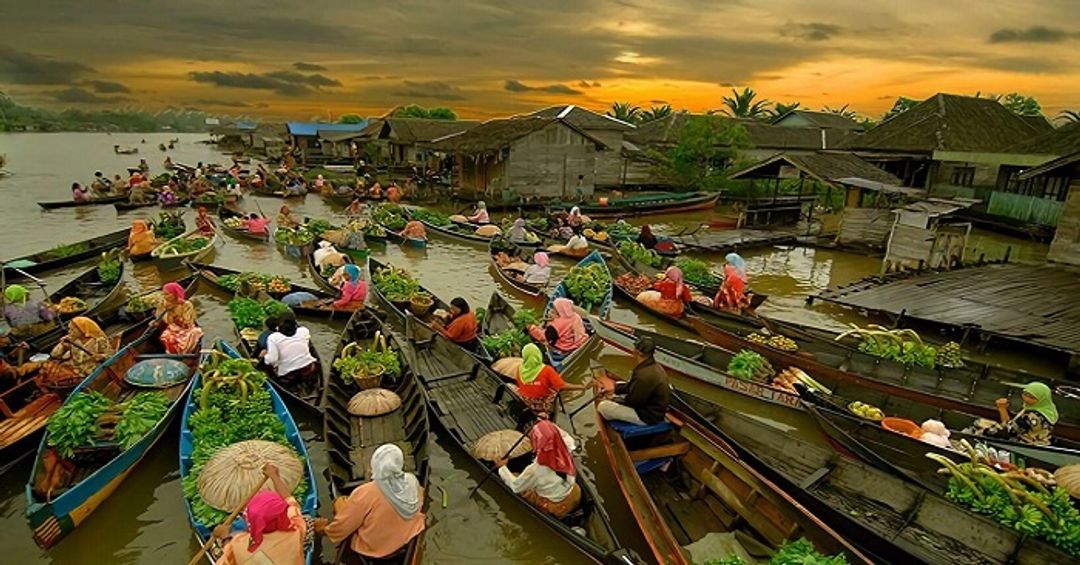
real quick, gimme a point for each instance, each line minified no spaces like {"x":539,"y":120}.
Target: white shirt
{"x":287,"y":354}
{"x":577,"y":242}
{"x":545,"y":482}
{"x":536,"y":274}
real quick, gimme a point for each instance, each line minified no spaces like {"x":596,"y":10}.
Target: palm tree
{"x":781,"y":109}
{"x":1069,"y":116}
{"x":655,"y":113}
{"x":842,"y":111}
{"x":742,"y":104}
{"x":624,"y":111}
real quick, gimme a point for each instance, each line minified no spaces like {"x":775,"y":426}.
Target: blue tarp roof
{"x":313,"y":128}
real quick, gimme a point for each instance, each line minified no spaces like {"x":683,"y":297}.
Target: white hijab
{"x":401,"y":489}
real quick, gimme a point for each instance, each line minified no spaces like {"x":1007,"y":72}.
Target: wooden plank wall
{"x":547,"y":163}
{"x":1066,"y":245}
{"x":865,"y":226}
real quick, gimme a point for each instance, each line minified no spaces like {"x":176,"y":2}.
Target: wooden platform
{"x":1033,"y":304}
{"x":724,"y":241}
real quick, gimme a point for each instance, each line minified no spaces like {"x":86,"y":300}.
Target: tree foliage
{"x":415,"y":111}
{"x":743,"y":104}
{"x":902,"y":104}
{"x":624,"y":111}
{"x":655,"y":113}
{"x":840,"y":111}
{"x":780,"y":108}
{"x":14,"y":116}
{"x":703,"y":150}
{"x":350,"y":119}
{"x":1021,"y":105}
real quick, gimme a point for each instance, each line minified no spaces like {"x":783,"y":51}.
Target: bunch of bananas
{"x":782,"y":343}
{"x":866,"y":411}
{"x":949,"y":356}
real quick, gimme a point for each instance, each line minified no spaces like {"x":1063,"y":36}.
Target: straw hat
{"x":374,"y":402}
{"x":1068,"y":478}
{"x":233,"y":471}
{"x":494,"y":445}
{"x":507,"y":366}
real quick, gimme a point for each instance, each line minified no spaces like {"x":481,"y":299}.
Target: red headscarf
{"x":174,"y":289}
{"x":267,"y":512}
{"x":550,"y":450}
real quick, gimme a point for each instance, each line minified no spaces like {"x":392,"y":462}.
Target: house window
{"x":1056,"y":188}
{"x":963,"y":176}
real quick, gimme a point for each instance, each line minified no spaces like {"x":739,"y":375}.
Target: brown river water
{"x":145,"y":520}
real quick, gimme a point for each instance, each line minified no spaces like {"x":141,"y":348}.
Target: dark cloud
{"x":292,"y":77}
{"x":285,"y":83}
{"x":518,"y":86}
{"x":813,"y":31}
{"x":22,"y":67}
{"x":106,"y":86}
{"x":1033,"y":34}
{"x":587,"y":84}
{"x":76,"y":95}
{"x":430,"y":89}
{"x":223,"y":103}
{"x":659,"y":102}
{"x":302,"y":66}
{"x":301,"y":29}
{"x":1027,"y":65}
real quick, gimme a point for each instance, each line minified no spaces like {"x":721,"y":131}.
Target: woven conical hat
{"x":233,"y":471}
{"x":495,"y":445}
{"x":507,"y":366}
{"x":374,"y":402}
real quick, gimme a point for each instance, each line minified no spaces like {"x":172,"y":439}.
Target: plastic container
{"x":902,"y":426}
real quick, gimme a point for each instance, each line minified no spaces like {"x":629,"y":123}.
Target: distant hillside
{"x":15,"y":117}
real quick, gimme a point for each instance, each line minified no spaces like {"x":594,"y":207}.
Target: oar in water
{"x":228,"y":520}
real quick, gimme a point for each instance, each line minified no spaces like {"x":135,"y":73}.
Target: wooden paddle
{"x":229,"y":520}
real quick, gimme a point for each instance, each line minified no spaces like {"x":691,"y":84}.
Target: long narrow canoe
{"x":603,"y":309}
{"x":73,"y":204}
{"x":468,"y":400}
{"x":499,"y":316}
{"x":460,"y":231}
{"x":668,"y":203}
{"x":168,"y":262}
{"x":307,"y":394}
{"x":618,"y":269}
{"x":352,"y":440}
{"x":514,"y":278}
{"x":322,"y":307}
{"x":87,"y":287}
{"x":47,"y":260}
{"x":126,"y":206}
{"x":309,"y":505}
{"x":62,"y":493}
{"x":717,"y":494}
{"x":889,"y":518}
{"x":225,"y":213}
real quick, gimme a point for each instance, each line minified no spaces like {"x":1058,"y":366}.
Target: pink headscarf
{"x":674,"y":274}
{"x":550,"y":450}
{"x":564,"y":307}
{"x":174,"y":289}
{"x":267,"y":512}
{"x":541,"y":259}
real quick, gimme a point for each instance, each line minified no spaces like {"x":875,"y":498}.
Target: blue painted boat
{"x":604,"y":308}
{"x":62,"y":493}
{"x":416,"y":242}
{"x":187,"y":444}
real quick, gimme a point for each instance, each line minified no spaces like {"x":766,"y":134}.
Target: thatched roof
{"x":824,"y":120}
{"x":495,"y":135}
{"x":665,"y":131}
{"x":581,"y":118}
{"x":822,"y":166}
{"x":948,"y":122}
{"x":1061,"y":141}
{"x":418,"y":130}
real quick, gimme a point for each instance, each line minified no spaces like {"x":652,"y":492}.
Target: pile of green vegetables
{"x":184,"y":245}
{"x":274,"y":284}
{"x":902,"y":346}
{"x":636,"y":253}
{"x":1014,"y":499}
{"x":525,"y":317}
{"x":169,"y":225}
{"x":390,"y":216}
{"x":697,"y":273}
{"x":621,"y":230}
{"x":108,"y":269}
{"x":234,"y":406}
{"x":144,"y":302}
{"x":294,"y":236}
{"x":588,"y":285}
{"x":750,"y":366}
{"x":317,"y":227}
{"x":507,"y":343}
{"x":250,"y":313}
{"x":798,"y":552}
{"x":431,"y":217}
{"x":395,"y":284}
{"x":354,"y":360}
{"x":66,"y":250}
{"x":90,"y":419}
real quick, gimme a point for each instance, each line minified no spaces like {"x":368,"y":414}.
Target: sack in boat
{"x":373,"y":402}
{"x":654,"y":300}
{"x":337,"y":237}
{"x":233,"y":471}
{"x":459,"y":219}
{"x":488,"y":231}
{"x":157,"y":373}
{"x":495,"y":444}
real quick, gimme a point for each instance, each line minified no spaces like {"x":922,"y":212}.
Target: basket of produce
{"x":869,"y":412}
{"x":71,"y":306}
{"x":367,"y":367}
{"x":634,"y":284}
{"x":274,"y":285}
{"x":420,"y":303}
{"x":783,"y":343}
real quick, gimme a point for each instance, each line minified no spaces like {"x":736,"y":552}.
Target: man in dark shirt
{"x":644,"y":399}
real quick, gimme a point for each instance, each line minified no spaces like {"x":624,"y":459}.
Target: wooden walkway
{"x":723,"y":241}
{"x":1036,"y":304}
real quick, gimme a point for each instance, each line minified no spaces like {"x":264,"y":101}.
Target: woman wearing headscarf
{"x":285,"y":218}
{"x":568,"y":326}
{"x":24,"y":314}
{"x":320,"y":184}
{"x":141,"y":238}
{"x":674,"y":294}
{"x":462,"y":327}
{"x":203,"y":222}
{"x":278,"y":532}
{"x":480,"y":216}
{"x":380,"y":516}
{"x":393,"y":193}
{"x":356,"y":208}
{"x":167,"y":197}
{"x":353,"y":291}
{"x":646,"y":237}
{"x":375,"y":192}
{"x":539,"y":272}
{"x":518,"y":232}
{"x":288,"y":350}
{"x":575,"y":219}
{"x":1034,"y":422}
{"x":79,"y":193}
{"x":732,"y":293}
{"x":548,"y":483}
{"x":538,"y":383}
{"x":80,"y":351}
{"x":182,"y":333}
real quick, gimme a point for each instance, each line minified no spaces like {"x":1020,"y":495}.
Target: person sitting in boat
{"x":167,"y":197}
{"x":23,"y":315}
{"x":135,"y":179}
{"x":669,"y":295}
{"x":549,"y":482}
{"x":414,"y":229}
{"x":79,"y":352}
{"x":644,"y":399}
{"x":277,"y":529}
{"x":288,"y":350}
{"x":574,"y":219}
{"x":480,"y":216}
{"x":646,"y":237}
{"x":270,"y":325}
{"x":538,"y":383}
{"x":569,"y":328}
{"x":1032,"y":425}
{"x":393,"y":193}
{"x":182,"y":332}
{"x":356,"y":208}
{"x":328,"y":255}
{"x":144,"y":167}
{"x":518,"y":232}
{"x":141,"y":239}
{"x":139,"y":194}
{"x":320,"y":185}
{"x":102,"y":185}
{"x":577,"y":246}
{"x":539,"y":272}
{"x":381,"y":516}
{"x":285,"y":219}
{"x":732,"y":293}
{"x":353,"y":291}
{"x":204,"y":222}
{"x":79,"y":193}
{"x":462,"y":326}
{"x":375,"y":192}
{"x":256,"y":224}
{"x":295,"y":187}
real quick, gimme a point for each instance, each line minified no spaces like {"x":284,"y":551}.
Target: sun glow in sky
{"x":487,"y":58}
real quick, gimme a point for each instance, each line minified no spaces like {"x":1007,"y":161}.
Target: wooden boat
{"x":650,"y":271}
{"x":309,"y":505}
{"x":604,"y":308}
{"x":126,"y":206}
{"x":53,"y":205}
{"x":352,"y":440}
{"x":322,"y":308}
{"x":48,"y":260}
{"x":56,"y":505}
{"x":91,"y":289}
{"x":667,"y":203}
{"x":895,"y":388}
{"x":499,"y":316}
{"x":700,"y":362}
{"x":458,"y":231}
{"x":514,"y":278}
{"x":618,"y":270}
{"x":469,"y":400}
{"x":715,"y":495}
{"x":225,"y":213}
{"x":169,"y":262}
{"x":890,"y":519}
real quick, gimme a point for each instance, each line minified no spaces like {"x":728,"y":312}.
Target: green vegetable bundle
{"x":621,"y":230}
{"x":525,"y":317}
{"x":697,"y":273}
{"x":184,"y":245}
{"x":66,"y":250}
{"x":75,"y":424}
{"x":144,"y":302}
{"x":507,"y":343}
{"x":317,"y":227}
{"x":902,"y":346}
{"x":247,"y":313}
{"x":588,"y":286}
{"x":109,"y":268}
{"x":395,"y":284}
{"x":391,"y":216}
{"x":294,"y":236}
{"x":431,"y":217}
{"x":636,"y":253}
{"x":169,"y":225}
{"x":354,"y":360}
{"x":142,"y":413}
{"x":798,"y":552}
{"x":749,"y":365}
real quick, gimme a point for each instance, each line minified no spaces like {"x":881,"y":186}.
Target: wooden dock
{"x":724,"y":241}
{"x":1034,"y":305}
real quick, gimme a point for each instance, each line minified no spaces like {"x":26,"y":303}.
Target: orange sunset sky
{"x":492,"y":57}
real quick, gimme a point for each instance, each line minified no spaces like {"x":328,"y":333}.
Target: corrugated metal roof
{"x":312,"y":129}
{"x":882,"y":187}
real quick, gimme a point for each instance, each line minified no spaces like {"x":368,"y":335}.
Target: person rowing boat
{"x":277,"y":531}
{"x":1033,"y":424}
